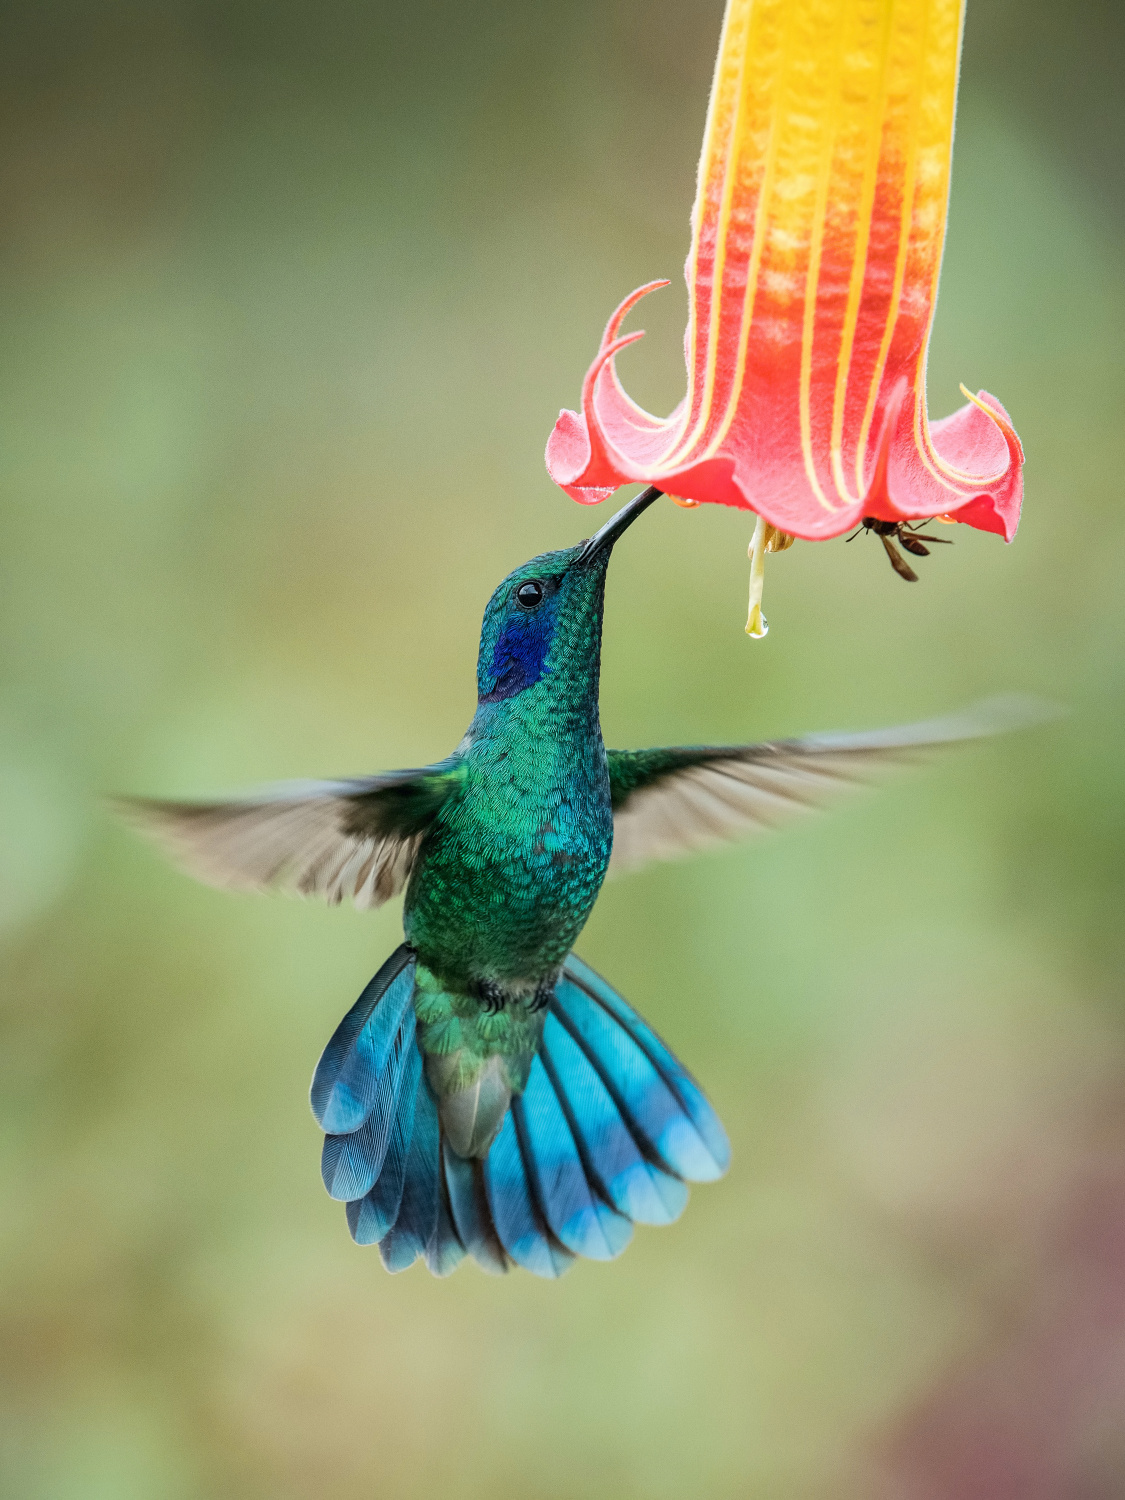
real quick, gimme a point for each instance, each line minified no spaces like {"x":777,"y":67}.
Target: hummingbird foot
{"x":542,"y":997}
{"x":491,"y":996}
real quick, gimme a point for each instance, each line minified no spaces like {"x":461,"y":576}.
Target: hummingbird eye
{"x":529,"y":594}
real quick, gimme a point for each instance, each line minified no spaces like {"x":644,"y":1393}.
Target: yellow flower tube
{"x":817,"y":238}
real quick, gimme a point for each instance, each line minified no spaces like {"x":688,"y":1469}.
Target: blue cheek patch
{"x":517,"y":661}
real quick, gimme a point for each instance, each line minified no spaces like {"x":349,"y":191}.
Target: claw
{"x":491,"y":996}
{"x":542,"y":998}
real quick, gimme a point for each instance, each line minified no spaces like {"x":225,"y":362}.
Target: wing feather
{"x":353,"y":839}
{"x":674,"y":801}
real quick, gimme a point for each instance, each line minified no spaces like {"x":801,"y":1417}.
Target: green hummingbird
{"x":489,"y":1093}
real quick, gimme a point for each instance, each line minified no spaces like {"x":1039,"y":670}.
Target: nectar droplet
{"x":757,"y":626}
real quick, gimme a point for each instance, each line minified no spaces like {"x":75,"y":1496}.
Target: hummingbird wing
{"x":333,"y":839}
{"x":669,"y":802}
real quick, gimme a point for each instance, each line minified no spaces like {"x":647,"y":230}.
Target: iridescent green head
{"x":545,"y":619}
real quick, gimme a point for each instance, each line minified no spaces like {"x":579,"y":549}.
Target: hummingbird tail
{"x":382,"y":1148}
{"x":608,"y":1131}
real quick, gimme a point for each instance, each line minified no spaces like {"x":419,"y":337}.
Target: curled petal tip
{"x":623,"y":309}
{"x":1011,"y":437}
{"x":576,"y":454}
{"x":605,"y":354}
{"x":586,"y":495}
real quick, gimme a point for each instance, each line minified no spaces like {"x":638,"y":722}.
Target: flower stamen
{"x":757,"y":625}
{"x":766,"y":538}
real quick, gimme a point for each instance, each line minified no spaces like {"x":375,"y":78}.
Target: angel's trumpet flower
{"x":816,"y":246}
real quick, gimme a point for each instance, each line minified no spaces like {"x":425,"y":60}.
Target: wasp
{"x":907,"y":536}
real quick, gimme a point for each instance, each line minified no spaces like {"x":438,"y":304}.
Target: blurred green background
{"x":290,"y":296}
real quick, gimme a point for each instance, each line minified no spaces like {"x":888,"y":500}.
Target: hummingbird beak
{"x":603,"y":540}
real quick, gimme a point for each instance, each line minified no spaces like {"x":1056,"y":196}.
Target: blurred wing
{"x":333,"y":839}
{"x":673,"y":801}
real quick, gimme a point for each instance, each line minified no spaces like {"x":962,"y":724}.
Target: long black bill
{"x":604,"y":539}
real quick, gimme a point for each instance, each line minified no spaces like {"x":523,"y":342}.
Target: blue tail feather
{"x":445,"y":1252}
{"x":640,"y":1092}
{"x":574,"y":1211}
{"x":676,"y":1076}
{"x":418,"y":1211}
{"x":468,"y":1203}
{"x":351,"y":1164}
{"x":370,"y":1218}
{"x":602,"y":1137}
{"x":348,"y":1076}
{"x":519,"y":1224}
{"x":616,"y":1166}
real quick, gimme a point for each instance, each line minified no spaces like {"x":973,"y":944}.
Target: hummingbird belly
{"x":483,"y":906}
{"x":492,"y":918}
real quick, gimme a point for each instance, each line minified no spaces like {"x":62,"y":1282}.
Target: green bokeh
{"x":290,"y":297}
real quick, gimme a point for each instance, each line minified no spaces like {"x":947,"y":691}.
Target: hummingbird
{"x":489,"y":1095}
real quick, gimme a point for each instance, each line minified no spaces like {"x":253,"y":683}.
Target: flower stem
{"x":756,"y":623}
